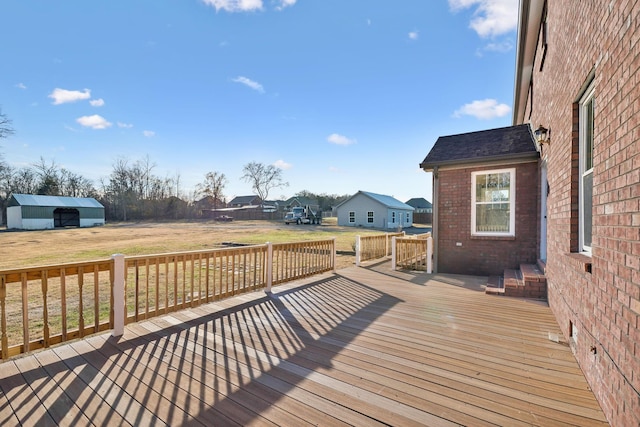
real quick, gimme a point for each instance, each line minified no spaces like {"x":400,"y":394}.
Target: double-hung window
{"x":352,"y":217}
{"x":370,"y":217}
{"x":585,"y":150}
{"x":493,"y":197}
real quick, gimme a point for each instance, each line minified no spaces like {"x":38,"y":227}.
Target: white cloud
{"x":285,"y":3}
{"x":125,"y":125}
{"x":503,"y":46}
{"x":249,"y":83}
{"x":97,"y":102}
{"x":235,"y":5}
{"x":94,"y":122}
{"x":281,"y":164}
{"x":148,"y":133}
{"x":63,"y":96}
{"x":21,"y":86}
{"x":338,"y":139}
{"x":491,"y":17}
{"x":413,"y":35}
{"x":483,"y":109}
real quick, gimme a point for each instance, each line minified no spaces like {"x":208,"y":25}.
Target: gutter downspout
{"x":434,"y":218}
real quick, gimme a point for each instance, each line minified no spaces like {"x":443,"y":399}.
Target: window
{"x":352,"y":217}
{"x":493,"y":202}
{"x":585,"y":187}
{"x":370,"y":217}
{"x":408,"y":221}
{"x":393,"y":217}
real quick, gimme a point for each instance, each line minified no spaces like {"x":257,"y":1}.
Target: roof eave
{"x":531,"y":155}
{"x":529,"y":21}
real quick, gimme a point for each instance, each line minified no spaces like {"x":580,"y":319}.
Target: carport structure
{"x":35,"y":212}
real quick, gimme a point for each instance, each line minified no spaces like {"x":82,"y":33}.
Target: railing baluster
{"x":146,"y":288}
{"x":80,"y":303}
{"x":45,"y":309}
{"x":157,"y":284}
{"x":63,"y":302}
{"x":25,"y":313}
{"x":4,"y":341}
{"x":96,"y":298}
{"x":192,"y":280}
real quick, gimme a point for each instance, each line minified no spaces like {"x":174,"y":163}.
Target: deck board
{"x":366,"y":346}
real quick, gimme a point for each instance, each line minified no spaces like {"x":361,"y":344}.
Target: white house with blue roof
{"x":366,"y":209}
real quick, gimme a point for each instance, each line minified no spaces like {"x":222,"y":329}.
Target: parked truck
{"x":309,"y":214}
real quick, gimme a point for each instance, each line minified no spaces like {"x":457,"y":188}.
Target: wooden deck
{"x":366,"y":346}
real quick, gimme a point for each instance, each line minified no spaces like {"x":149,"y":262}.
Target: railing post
{"x":358,"y":251}
{"x":269,"y":266}
{"x":386,"y":244}
{"x":393,"y":253}
{"x":334,"y":254}
{"x":118,"y":294}
{"x":429,"y":254}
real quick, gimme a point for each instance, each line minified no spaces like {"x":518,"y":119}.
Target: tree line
{"x":133,"y":191}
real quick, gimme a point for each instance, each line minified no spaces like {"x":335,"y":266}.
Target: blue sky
{"x":343,"y":95}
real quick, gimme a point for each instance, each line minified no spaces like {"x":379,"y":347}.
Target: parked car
{"x":225,"y":218}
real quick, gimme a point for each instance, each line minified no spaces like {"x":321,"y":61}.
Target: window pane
{"x":493,"y":187}
{"x":492,"y":217}
{"x":588,"y":137}
{"x":587,"y":187}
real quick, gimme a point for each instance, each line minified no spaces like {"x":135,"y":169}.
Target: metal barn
{"x":31,"y":212}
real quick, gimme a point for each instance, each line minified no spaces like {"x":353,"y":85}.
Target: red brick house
{"x":577,"y":78}
{"x":578,"y":75}
{"x":485,"y":197}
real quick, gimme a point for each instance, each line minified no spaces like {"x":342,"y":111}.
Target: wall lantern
{"x":542,"y":135}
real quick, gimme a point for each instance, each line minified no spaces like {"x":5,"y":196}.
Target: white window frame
{"x":584,"y":171}
{"x":512,"y":203}
{"x":393,"y":217}
{"x":370,"y":217}
{"x":352,"y":217}
{"x":408,"y":218}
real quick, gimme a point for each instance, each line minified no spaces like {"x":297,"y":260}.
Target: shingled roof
{"x":512,"y":142}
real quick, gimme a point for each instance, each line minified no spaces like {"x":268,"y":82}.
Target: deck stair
{"x":528,"y":281}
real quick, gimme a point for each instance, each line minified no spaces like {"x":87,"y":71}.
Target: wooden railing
{"x":412,"y":253}
{"x":42,"y":306}
{"x":293,"y":261}
{"x":374,"y":247}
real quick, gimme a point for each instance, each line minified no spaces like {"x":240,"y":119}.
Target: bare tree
{"x":213,"y":186}
{"x":5,"y":126}
{"x":263,"y":178}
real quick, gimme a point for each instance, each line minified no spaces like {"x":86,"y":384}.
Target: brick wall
{"x":485,"y":256}
{"x":602,"y":308}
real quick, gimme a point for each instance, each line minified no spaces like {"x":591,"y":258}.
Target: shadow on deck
{"x":366,"y":346}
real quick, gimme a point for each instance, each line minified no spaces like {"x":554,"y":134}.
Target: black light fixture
{"x":542,"y":135}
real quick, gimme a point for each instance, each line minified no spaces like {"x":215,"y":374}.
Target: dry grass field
{"x":35,"y":248}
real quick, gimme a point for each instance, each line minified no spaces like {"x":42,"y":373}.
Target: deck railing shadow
{"x":219,"y":368}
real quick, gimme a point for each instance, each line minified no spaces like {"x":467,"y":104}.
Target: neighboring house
{"x":295,"y":201}
{"x":577,"y":69}
{"x":242,"y":201}
{"x":485,"y":196}
{"x":273,"y":205}
{"x":208,"y":203}
{"x":421,"y":205}
{"x":32,"y":212}
{"x":365,"y":209}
